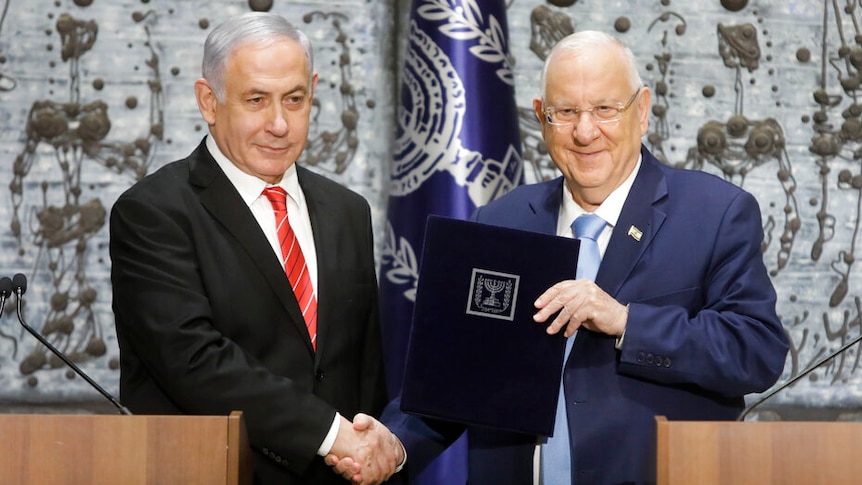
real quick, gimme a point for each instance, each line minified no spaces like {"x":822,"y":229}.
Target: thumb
{"x":362,"y":422}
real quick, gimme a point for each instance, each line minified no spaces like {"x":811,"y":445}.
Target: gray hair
{"x":247,"y":28}
{"x":583,"y":41}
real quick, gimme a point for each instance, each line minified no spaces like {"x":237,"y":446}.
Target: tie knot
{"x":276,"y":195}
{"x":588,"y":226}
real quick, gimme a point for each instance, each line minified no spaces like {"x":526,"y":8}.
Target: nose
{"x":586,"y":128}
{"x":277,"y":123}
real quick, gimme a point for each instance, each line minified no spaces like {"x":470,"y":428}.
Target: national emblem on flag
{"x":458,"y":147}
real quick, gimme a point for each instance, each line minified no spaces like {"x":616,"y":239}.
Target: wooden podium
{"x":47,"y":449}
{"x":779,"y":452}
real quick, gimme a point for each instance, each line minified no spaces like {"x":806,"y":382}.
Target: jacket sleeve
{"x":721,"y":333}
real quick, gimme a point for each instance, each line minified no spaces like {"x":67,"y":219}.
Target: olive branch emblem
{"x":464,"y":21}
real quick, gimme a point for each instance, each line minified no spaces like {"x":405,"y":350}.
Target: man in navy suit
{"x":680,"y":320}
{"x":207,"y":321}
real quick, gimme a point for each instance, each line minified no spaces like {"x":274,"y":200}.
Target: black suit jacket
{"x":207,"y":322}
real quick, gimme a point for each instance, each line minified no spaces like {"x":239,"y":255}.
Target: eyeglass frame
{"x":592,"y":111}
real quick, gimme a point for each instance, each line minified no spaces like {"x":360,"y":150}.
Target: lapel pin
{"x":635,"y":233}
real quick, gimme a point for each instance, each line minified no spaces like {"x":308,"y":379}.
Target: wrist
{"x":618,"y":344}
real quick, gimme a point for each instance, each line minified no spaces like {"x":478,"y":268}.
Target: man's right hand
{"x":365,"y":451}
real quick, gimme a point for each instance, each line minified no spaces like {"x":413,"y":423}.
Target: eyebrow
{"x":300,"y":88}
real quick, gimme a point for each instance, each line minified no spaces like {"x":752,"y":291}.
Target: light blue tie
{"x":556,"y":454}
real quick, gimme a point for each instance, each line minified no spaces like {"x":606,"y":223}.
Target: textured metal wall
{"x":95,"y":93}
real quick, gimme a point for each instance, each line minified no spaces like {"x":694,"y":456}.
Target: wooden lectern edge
{"x":662,"y":454}
{"x":239,"y":457}
{"x":77,"y":448}
{"x":716,"y":452}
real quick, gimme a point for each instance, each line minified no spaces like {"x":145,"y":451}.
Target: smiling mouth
{"x":588,"y":154}
{"x":272,"y":149}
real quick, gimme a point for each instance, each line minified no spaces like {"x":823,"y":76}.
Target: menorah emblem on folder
{"x":492,"y":294}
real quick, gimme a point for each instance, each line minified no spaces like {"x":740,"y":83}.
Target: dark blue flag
{"x":458,"y":147}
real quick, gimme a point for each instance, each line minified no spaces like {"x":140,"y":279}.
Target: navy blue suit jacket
{"x":702,"y":329}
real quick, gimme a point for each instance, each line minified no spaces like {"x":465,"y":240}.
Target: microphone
{"x":5,"y":292}
{"x":799,"y":376}
{"x":19,"y":287}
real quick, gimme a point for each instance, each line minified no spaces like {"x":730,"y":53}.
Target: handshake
{"x":365,"y":451}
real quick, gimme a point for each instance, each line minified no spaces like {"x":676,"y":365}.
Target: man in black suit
{"x":207,"y":320}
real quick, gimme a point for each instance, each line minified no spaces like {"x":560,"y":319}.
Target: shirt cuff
{"x":618,"y":344}
{"x":404,"y":461}
{"x":329,"y":440}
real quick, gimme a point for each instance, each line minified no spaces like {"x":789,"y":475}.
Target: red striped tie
{"x":294,"y":261}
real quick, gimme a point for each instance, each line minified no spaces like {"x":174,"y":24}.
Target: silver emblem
{"x":493,"y":294}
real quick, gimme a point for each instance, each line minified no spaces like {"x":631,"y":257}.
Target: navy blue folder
{"x":475,"y":355}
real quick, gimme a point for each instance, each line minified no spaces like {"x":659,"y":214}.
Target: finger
{"x":344,"y":474}
{"x":347,"y":475}
{"x":553,"y":300}
{"x":345,"y":467}
{"x":568,"y":326}
{"x":348,"y":464}
{"x":362,"y":422}
{"x":548,"y":309}
{"x":563,"y":308}
{"x":549,"y":295}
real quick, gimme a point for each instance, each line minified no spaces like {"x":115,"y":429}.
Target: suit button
{"x":649,"y":359}
{"x":666,"y":362}
{"x":320,"y":376}
{"x":640,"y":356}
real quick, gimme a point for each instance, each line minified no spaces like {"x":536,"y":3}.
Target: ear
{"x":644,"y":103}
{"x":313,"y":84}
{"x":537,"y":108}
{"x":207,"y":101}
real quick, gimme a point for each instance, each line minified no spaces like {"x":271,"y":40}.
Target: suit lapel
{"x":545,"y":205}
{"x":639,"y":221}
{"x":219,"y":197}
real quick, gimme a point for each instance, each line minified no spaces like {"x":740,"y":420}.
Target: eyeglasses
{"x":606,"y":113}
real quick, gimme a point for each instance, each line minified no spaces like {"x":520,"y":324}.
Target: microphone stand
{"x":5,"y":291}
{"x":799,"y":376}
{"x":19,"y":292}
